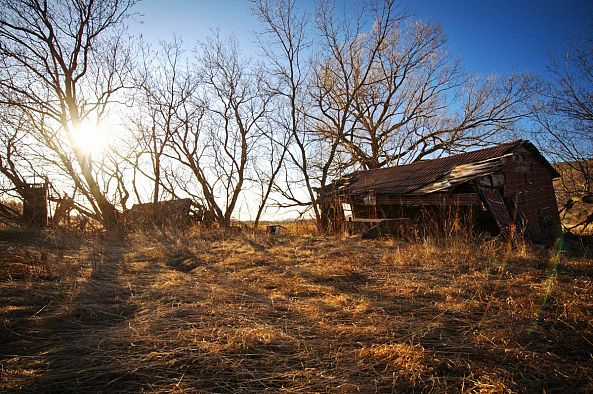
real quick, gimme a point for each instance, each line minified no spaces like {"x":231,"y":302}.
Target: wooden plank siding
{"x":532,"y":188}
{"x":438,"y":199}
{"x":495,"y":203}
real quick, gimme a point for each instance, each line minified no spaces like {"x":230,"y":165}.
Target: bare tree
{"x":236,"y":113}
{"x":14,"y":164}
{"x":13,"y":161}
{"x":565,"y":117}
{"x":62,"y":62}
{"x":285,"y":44}
{"x":268,"y":164}
{"x":380,"y":90}
{"x":390,"y":94}
{"x":167,"y":92}
{"x":220,"y":126}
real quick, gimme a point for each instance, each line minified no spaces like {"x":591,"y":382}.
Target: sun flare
{"x":92,"y":139}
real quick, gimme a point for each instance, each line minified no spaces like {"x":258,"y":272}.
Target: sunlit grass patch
{"x":405,"y":357}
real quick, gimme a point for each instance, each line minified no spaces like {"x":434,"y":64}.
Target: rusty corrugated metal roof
{"x":411,"y":177}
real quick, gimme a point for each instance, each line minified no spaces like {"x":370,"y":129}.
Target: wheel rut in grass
{"x":65,"y":341}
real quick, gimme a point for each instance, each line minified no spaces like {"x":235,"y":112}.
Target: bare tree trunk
{"x":60,"y":65}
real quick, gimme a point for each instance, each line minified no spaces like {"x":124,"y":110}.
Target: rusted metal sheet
{"x":408,"y":178}
{"x":465,"y":172}
{"x":411,"y":178}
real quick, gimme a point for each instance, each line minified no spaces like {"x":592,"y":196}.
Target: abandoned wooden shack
{"x":500,"y":189}
{"x":163,"y":212}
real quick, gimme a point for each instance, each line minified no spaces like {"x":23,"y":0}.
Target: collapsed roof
{"x":428,"y":176}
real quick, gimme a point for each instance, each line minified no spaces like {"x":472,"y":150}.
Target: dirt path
{"x":59,"y":340}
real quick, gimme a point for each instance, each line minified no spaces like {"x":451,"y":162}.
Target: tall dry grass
{"x":196,"y":310}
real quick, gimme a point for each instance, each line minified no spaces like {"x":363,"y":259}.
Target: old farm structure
{"x":508,"y":186}
{"x":35,"y":204}
{"x":171,"y":211}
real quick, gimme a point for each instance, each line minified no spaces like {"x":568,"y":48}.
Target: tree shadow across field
{"x":250,"y":330}
{"x":67,"y":338}
{"x":241,"y":318}
{"x":458,"y":349}
{"x":31,"y":274}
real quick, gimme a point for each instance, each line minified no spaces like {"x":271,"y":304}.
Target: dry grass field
{"x":201,"y":311}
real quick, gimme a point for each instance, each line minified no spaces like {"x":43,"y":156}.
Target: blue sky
{"x":505,"y":36}
{"x":488,"y":36}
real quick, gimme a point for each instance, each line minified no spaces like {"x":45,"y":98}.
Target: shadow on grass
{"x":309,"y":315}
{"x":60,"y":342}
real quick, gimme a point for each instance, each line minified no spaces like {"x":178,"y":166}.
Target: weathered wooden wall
{"x":35,"y":204}
{"x":528,"y":181}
